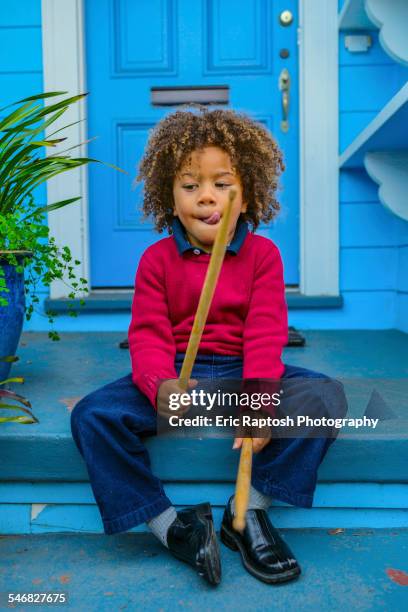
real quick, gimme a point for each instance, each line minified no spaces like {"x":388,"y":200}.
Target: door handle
{"x":284,"y":86}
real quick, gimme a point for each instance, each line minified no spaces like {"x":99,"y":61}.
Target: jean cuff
{"x":136,"y":517}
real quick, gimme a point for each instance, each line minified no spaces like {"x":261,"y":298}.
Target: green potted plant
{"x":29,"y":256}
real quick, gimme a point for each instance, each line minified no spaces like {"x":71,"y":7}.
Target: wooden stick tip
{"x":238,"y":524}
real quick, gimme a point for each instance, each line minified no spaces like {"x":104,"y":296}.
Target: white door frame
{"x":64,"y":65}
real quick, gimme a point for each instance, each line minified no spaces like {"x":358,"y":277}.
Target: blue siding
{"x":21,"y":50}
{"x":372,"y":216}
{"x":369,"y":243}
{"x":361,"y":310}
{"x":368,"y":269}
{"x":361,"y":97}
{"x":14,"y":44}
{"x":23,"y":13}
{"x":21,"y":57}
{"x":371,"y":260}
{"x":16,"y":86}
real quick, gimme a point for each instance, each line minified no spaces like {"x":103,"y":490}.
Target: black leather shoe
{"x":191,"y":538}
{"x":263,"y":552}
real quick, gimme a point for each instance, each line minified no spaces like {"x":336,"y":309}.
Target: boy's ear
{"x":244,"y":207}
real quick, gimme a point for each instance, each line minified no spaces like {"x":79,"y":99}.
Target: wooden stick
{"x":243,"y":484}
{"x":207,"y":292}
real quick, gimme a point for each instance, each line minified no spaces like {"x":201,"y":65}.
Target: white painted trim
{"x":64,"y":68}
{"x":318,"y":116}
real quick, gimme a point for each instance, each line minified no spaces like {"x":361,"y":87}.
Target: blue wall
{"x":367,"y":81}
{"x":21,"y":72}
{"x":373,"y":261}
{"x":374,"y":243}
{"x":21,"y":52}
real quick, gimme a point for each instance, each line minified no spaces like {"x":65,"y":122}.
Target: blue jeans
{"x":109,"y":424}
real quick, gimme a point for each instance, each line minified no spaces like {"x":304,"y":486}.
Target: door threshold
{"x":121,"y":301}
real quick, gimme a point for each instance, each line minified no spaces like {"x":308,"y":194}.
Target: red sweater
{"x":248,"y":314}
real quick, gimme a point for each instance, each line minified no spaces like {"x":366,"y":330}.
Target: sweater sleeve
{"x":266,"y":324}
{"x":151,"y":343}
{"x":266,"y":328}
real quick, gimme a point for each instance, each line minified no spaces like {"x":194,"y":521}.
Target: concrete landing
{"x":355,"y":569}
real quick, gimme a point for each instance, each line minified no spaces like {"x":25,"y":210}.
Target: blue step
{"x":58,"y":374}
{"x":362,"y":481}
{"x":38,"y":508}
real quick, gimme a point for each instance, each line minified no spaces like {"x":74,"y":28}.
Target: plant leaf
{"x":20,"y":113}
{"x":64,"y":104}
{"x":10,"y":359}
{"x":42,"y":170}
{"x":54,"y":206}
{"x":65,"y":127}
{"x":17,"y":379}
{"x":113,"y":166}
{"x":21,"y":138}
{"x":74,"y":147}
{"x":20,"y":419}
{"x":36,"y":97}
{"x":47,"y":143}
{"x":15,"y":396}
{"x":15,"y":407}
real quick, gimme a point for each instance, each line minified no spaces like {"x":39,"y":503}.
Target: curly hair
{"x":253,"y":152}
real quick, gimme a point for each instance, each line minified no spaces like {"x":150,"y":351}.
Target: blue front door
{"x":137,"y":52}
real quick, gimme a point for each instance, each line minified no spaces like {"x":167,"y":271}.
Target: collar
{"x":183,"y":244}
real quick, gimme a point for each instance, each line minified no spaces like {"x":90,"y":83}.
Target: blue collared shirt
{"x":183,"y":244}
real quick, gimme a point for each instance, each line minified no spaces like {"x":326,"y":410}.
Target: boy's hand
{"x":257,"y":443}
{"x":166,"y":389}
{"x":253,"y":431}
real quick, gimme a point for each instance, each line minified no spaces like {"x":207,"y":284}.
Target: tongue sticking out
{"x":215,"y":217}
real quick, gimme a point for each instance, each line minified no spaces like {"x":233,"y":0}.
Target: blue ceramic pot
{"x":11,"y":316}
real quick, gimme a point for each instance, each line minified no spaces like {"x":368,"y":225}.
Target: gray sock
{"x":160,"y":524}
{"x":257,"y":501}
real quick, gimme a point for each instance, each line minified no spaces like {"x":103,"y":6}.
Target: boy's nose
{"x":206,"y":196}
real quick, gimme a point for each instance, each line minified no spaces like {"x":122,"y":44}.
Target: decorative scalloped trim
{"x":390,"y":171}
{"x":391,"y":18}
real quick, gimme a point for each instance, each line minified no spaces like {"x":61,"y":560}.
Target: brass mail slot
{"x":172,"y":96}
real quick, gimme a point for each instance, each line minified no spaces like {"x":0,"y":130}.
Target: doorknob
{"x":284,"y":86}
{"x":286,"y":18}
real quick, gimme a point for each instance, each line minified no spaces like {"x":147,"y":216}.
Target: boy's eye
{"x":189,"y":186}
{"x":223,"y":185}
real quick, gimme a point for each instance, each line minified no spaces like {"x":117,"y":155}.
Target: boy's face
{"x":200,"y":189}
